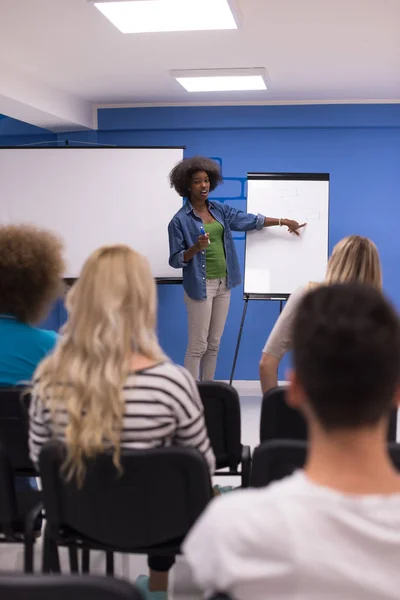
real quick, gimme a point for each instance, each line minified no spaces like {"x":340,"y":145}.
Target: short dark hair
{"x":181,"y":175}
{"x":31,"y":268}
{"x":346,"y":354}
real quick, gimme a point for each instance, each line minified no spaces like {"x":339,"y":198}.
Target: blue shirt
{"x":22,"y":347}
{"x":183,"y":232}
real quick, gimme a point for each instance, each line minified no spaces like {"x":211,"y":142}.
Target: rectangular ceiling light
{"x":146,"y":16}
{"x":222,"y":80}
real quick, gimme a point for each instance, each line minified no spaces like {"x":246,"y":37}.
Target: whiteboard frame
{"x":85,"y":146}
{"x":284,"y":177}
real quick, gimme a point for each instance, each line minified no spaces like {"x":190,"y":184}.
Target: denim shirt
{"x":183,"y":232}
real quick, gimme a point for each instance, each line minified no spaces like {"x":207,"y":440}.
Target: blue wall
{"x":17,"y":133}
{"x":358,"y":145}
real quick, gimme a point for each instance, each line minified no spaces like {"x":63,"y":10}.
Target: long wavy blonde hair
{"x":355,"y":258}
{"x":112,"y":314}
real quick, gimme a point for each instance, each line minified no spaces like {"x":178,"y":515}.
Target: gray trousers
{"x":206,"y":322}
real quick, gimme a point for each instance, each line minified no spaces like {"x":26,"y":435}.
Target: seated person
{"x":331,"y":530}
{"x":354,"y":258}
{"x":31,"y":268}
{"x":109,"y":382}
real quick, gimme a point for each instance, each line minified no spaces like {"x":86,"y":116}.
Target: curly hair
{"x":181,"y":175}
{"x":31,"y":268}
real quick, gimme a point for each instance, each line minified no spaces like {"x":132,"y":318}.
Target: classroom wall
{"x":359,"y":145}
{"x":18,"y":133}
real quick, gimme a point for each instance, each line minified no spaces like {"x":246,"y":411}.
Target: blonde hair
{"x":355,"y":259}
{"x":112,"y":313}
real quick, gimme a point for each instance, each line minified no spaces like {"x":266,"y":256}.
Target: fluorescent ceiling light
{"x":221,"y":80}
{"x":145,"y":16}
{"x":222,"y":84}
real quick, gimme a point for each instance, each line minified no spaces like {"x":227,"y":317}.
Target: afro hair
{"x":181,"y":175}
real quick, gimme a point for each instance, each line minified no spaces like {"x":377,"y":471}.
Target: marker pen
{"x":203,"y":232}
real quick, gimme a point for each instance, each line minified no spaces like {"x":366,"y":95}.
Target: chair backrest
{"x":275,"y":460}
{"x":280,"y":421}
{"x":65,"y":587}
{"x":8,"y":501}
{"x":14,"y":428}
{"x":157,"y":497}
{"x":222,"y":415}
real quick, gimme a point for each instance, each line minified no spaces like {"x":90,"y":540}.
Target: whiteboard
{"x":92,"y":197}
{"x":277,"y":262}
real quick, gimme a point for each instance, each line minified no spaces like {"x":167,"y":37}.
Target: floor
{"x":129,"y":567}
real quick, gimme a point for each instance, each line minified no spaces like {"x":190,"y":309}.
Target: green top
{"x":215,"y":252}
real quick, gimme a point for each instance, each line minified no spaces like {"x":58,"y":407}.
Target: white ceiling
{"x":61,"y":57}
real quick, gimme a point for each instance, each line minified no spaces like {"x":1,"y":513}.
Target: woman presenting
{"x":201,"y":243}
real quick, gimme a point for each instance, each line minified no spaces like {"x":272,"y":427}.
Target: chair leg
{"x":28,"y":553}
{"x":50,"y":558}
{"x":48,"y":551}
{"x":85,"y":560}
{"x":30,"y":536}
{"x":45,"y":556}
{"x":246,"y":466}
{"x":73,"y":559}
{"x":110,"y":563}
{"x":54,"y":559}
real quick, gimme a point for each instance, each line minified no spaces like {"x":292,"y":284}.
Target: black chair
{"x":280,"y":421}
{"x":275,"y":460}
{"x":66,"y":587}
{"x":147,"y":509}
{"x":14,"y":428}
{"x":19,"y":511}
{"x":222,"y":414}
{"x":20,"y":505}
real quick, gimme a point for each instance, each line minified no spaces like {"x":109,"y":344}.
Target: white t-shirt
{"x":299,"y":541}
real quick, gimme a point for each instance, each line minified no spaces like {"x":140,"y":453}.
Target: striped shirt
{"x":162,"y":407}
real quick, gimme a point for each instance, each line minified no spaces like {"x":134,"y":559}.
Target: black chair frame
{"x":122,"y":512}
{"x":19,"y":508}
{"x":223,"y":420}
{"x":65,"y":587}
{"x":276,"y":459}
{"x":279,"y":421}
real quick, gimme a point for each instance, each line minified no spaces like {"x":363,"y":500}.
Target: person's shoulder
{"x":266,"y":509}
{"x":47,"y":337}
{"x":255,"y":499}
{"x":175,"y":373}
{"x":242,"y":520}
{"x":300,"y":292}
{"x":217,"y":205}
{"x":296,"y":297}
{"x":179,"y":214}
